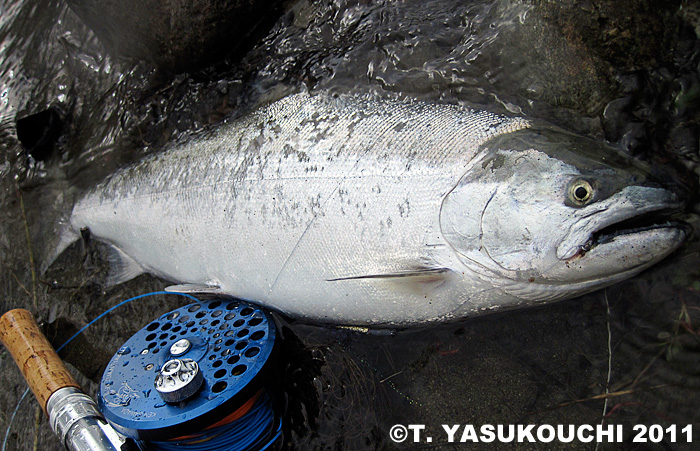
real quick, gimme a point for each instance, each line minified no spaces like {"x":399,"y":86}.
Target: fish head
{"x":547,"y":215}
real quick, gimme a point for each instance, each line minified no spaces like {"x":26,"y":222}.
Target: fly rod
{"x":73,"y":415}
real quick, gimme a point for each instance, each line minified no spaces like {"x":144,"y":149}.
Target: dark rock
{"x":583,"y":46}
{"x":626,"y":34}
{"x":175,"y":35}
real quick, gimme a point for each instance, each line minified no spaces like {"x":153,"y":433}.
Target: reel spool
{"x":192,"y":375}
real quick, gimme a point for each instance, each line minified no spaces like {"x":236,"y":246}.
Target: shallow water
{"x":344,"y":389}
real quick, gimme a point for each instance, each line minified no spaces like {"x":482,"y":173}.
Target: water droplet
{"x":124,"y":350}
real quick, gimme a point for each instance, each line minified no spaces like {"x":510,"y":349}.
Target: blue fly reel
{"x":187,"y":370}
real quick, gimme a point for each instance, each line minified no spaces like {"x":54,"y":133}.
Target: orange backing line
{"x":237,"y":414}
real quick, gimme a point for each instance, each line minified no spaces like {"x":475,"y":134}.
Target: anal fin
{"x":193,"y":288}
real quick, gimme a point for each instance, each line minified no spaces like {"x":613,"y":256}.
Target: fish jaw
{"x":644,"y":248}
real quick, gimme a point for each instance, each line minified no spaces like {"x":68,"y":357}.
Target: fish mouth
{"x":659,"y":223}
{"x":618,"y":241}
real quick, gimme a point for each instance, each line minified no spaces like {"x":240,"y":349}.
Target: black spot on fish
{"x":496,"y":162}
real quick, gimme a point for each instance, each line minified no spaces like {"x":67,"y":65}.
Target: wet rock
{"x":175,"y":35}
{"x":626,"y":34}
{"x":690,"y":13}
{"x":583,"y":46}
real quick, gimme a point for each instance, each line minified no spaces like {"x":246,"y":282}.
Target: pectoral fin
{"x":419,"y":275}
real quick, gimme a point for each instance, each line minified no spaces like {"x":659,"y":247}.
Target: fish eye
{"x":580,"y":192}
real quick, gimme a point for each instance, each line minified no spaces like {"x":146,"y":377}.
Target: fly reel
{"x":194,"y":377}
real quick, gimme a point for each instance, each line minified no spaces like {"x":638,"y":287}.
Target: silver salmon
{"x":361,"y":211}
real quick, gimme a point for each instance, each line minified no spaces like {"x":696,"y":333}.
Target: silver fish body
{"x":351,"y":210}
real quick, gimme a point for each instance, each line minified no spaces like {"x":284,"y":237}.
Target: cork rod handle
{"x":40,"y":365}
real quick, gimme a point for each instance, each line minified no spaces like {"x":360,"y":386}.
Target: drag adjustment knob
{"x":178,"y":380}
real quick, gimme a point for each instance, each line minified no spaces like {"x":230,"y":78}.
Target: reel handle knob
{"x":40,"y":365}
